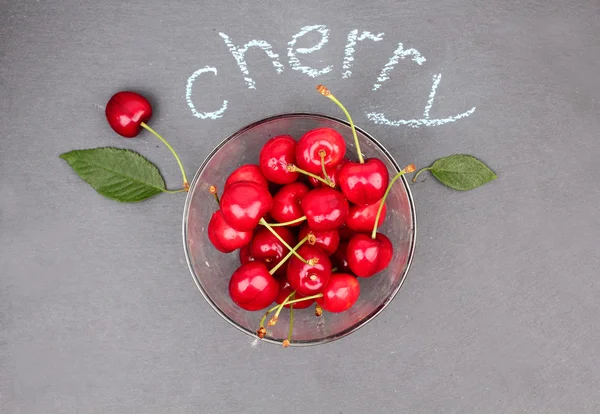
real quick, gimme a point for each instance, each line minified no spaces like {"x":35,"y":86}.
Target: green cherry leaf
{"x":116,"y":173}
{"x":460,"y":172}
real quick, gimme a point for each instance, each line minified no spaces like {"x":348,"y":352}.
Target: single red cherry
{"x":269,"y":249}
{"x":251,"y":286}
{"x":275,"y":156}
{"x":340,"y":293}
{"x":326,"y":240}
{"x":325,"y":208}
{"x":306,"y":278}
{"x":332,"y":174}
{"x":286,"y":291}
{"x":247,"y":172}
{"x":286,"y":203}
{"x":245,"y":255}
{"x":224,"y":237}
{"x":325,"y":141}
{"x":364,"y":184}
{"x":339,"y":259}
{"x":125,"y":112}
{"x":367,"y":256}
{"x":362,"y":218}
{"x":244,"y":203}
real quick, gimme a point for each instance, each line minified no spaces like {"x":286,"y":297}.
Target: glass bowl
{"x":212,"y":269}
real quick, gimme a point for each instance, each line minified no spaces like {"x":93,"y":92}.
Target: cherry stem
{"x":287,"y":223}
{"x":322,"y":154}
{"x":262,"y":321}
{"x":275,"y":317}
{"x":264,"y":223}
{"x":186,"y":185}
{"x":414,"y":180}
{"x":287,"y":256}
{"x":317,"y":296}
{"x":294,"y":168}
{"x":327,"y":93}
{"x":213,"y":190}
{"x":408,"y":169}
{"x":291,"y":328}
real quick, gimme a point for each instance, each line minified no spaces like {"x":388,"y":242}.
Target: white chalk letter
{"x":188,"y":96}
{"x":349,"y":50}
{"x":399,"y":53}
{"x":239,"y":53}
{"x":379,"y":118}
{"x":295,"y":63}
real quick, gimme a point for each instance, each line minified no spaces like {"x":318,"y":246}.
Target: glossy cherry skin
{"x":224,"y":237}
{"x":332,"y":173}
{"x":244,"y":254}
{"x":286,"y":203}
{"x":361,"y":219}
{"x":247,"y":172}
{"x":326,"y":240}
{"x":339,"y":259}
{"x":340,"y":293}
{"x":364,"y":184}
{"x":367,"y":256}
{"x":244,"y":203}
{"x":325,"y":208}
{"x":269,"y":249}
{"x":285,"y":291}
{"x":251,"y":286}
{"x":125,"y":112}
{"x":275,"y":156}
{"x":305,"y":278}
{"x":315,"y":140}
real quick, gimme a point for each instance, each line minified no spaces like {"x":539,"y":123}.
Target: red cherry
{"x":275,"y":156}
{"x":247,"y":172}
{"x":245,"y":255}
{"x":325,"y":208}
{"x":244,"y":203}
{"x":286,"y":203}
{"x":309,"y":146}
{"x":251,"y":286}
{"x":332,"y":173}
{"x":326,"y":240}
{"x":224,"y":237}
{"x":345,"y":232}
{"x":339,"y":259}
{"x":305,"y":278}
{"x":367,"y":256}
{"x":364,"y":184}
{"x":125,"y":112}
{"x":286,"y":291}
{"x":340,"y":293}
{"x":269,"y":249}
{"x":362,"y":218}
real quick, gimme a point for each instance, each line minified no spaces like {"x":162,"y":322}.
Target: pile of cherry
{"x":305,"y":221}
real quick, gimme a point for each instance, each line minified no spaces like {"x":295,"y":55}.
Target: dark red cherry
{"x":269,"y":249}
{"x":286,"y":203}
{"x":252,"y":288}
{"x":244,"y":254}
{"x":224,"y":237}
{"x":367,"y":256}
{"x":362,"y":218}
{"x":275,"y":156}
{"x":332,"y":173}
{"x":325,"y":208}
{"x":339,"y":259}
{"x":244,"y":203}
{"x":364,"y":184}
{"x":340,"y":293}
{"x":247,"y":172}
{"x":346,"y":233}
{"x":125,"y":112}
{"x":285,"y":291}
{"x":305,"y":278}
{"x":326,"y":240}
{"x":320,"y":139}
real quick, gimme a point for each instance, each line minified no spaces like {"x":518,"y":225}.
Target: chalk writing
{"x":399,"y":53}
{"x":295,"y":62}
{"x":188,"y":96}
{"x":349,"y":50}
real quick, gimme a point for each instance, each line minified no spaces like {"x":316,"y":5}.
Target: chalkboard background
{"x":499,"y":313}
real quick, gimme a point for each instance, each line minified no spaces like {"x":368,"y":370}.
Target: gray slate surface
{"x":98,"y":312}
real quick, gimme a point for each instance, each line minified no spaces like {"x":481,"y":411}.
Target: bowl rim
{"x":345,"y":332}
